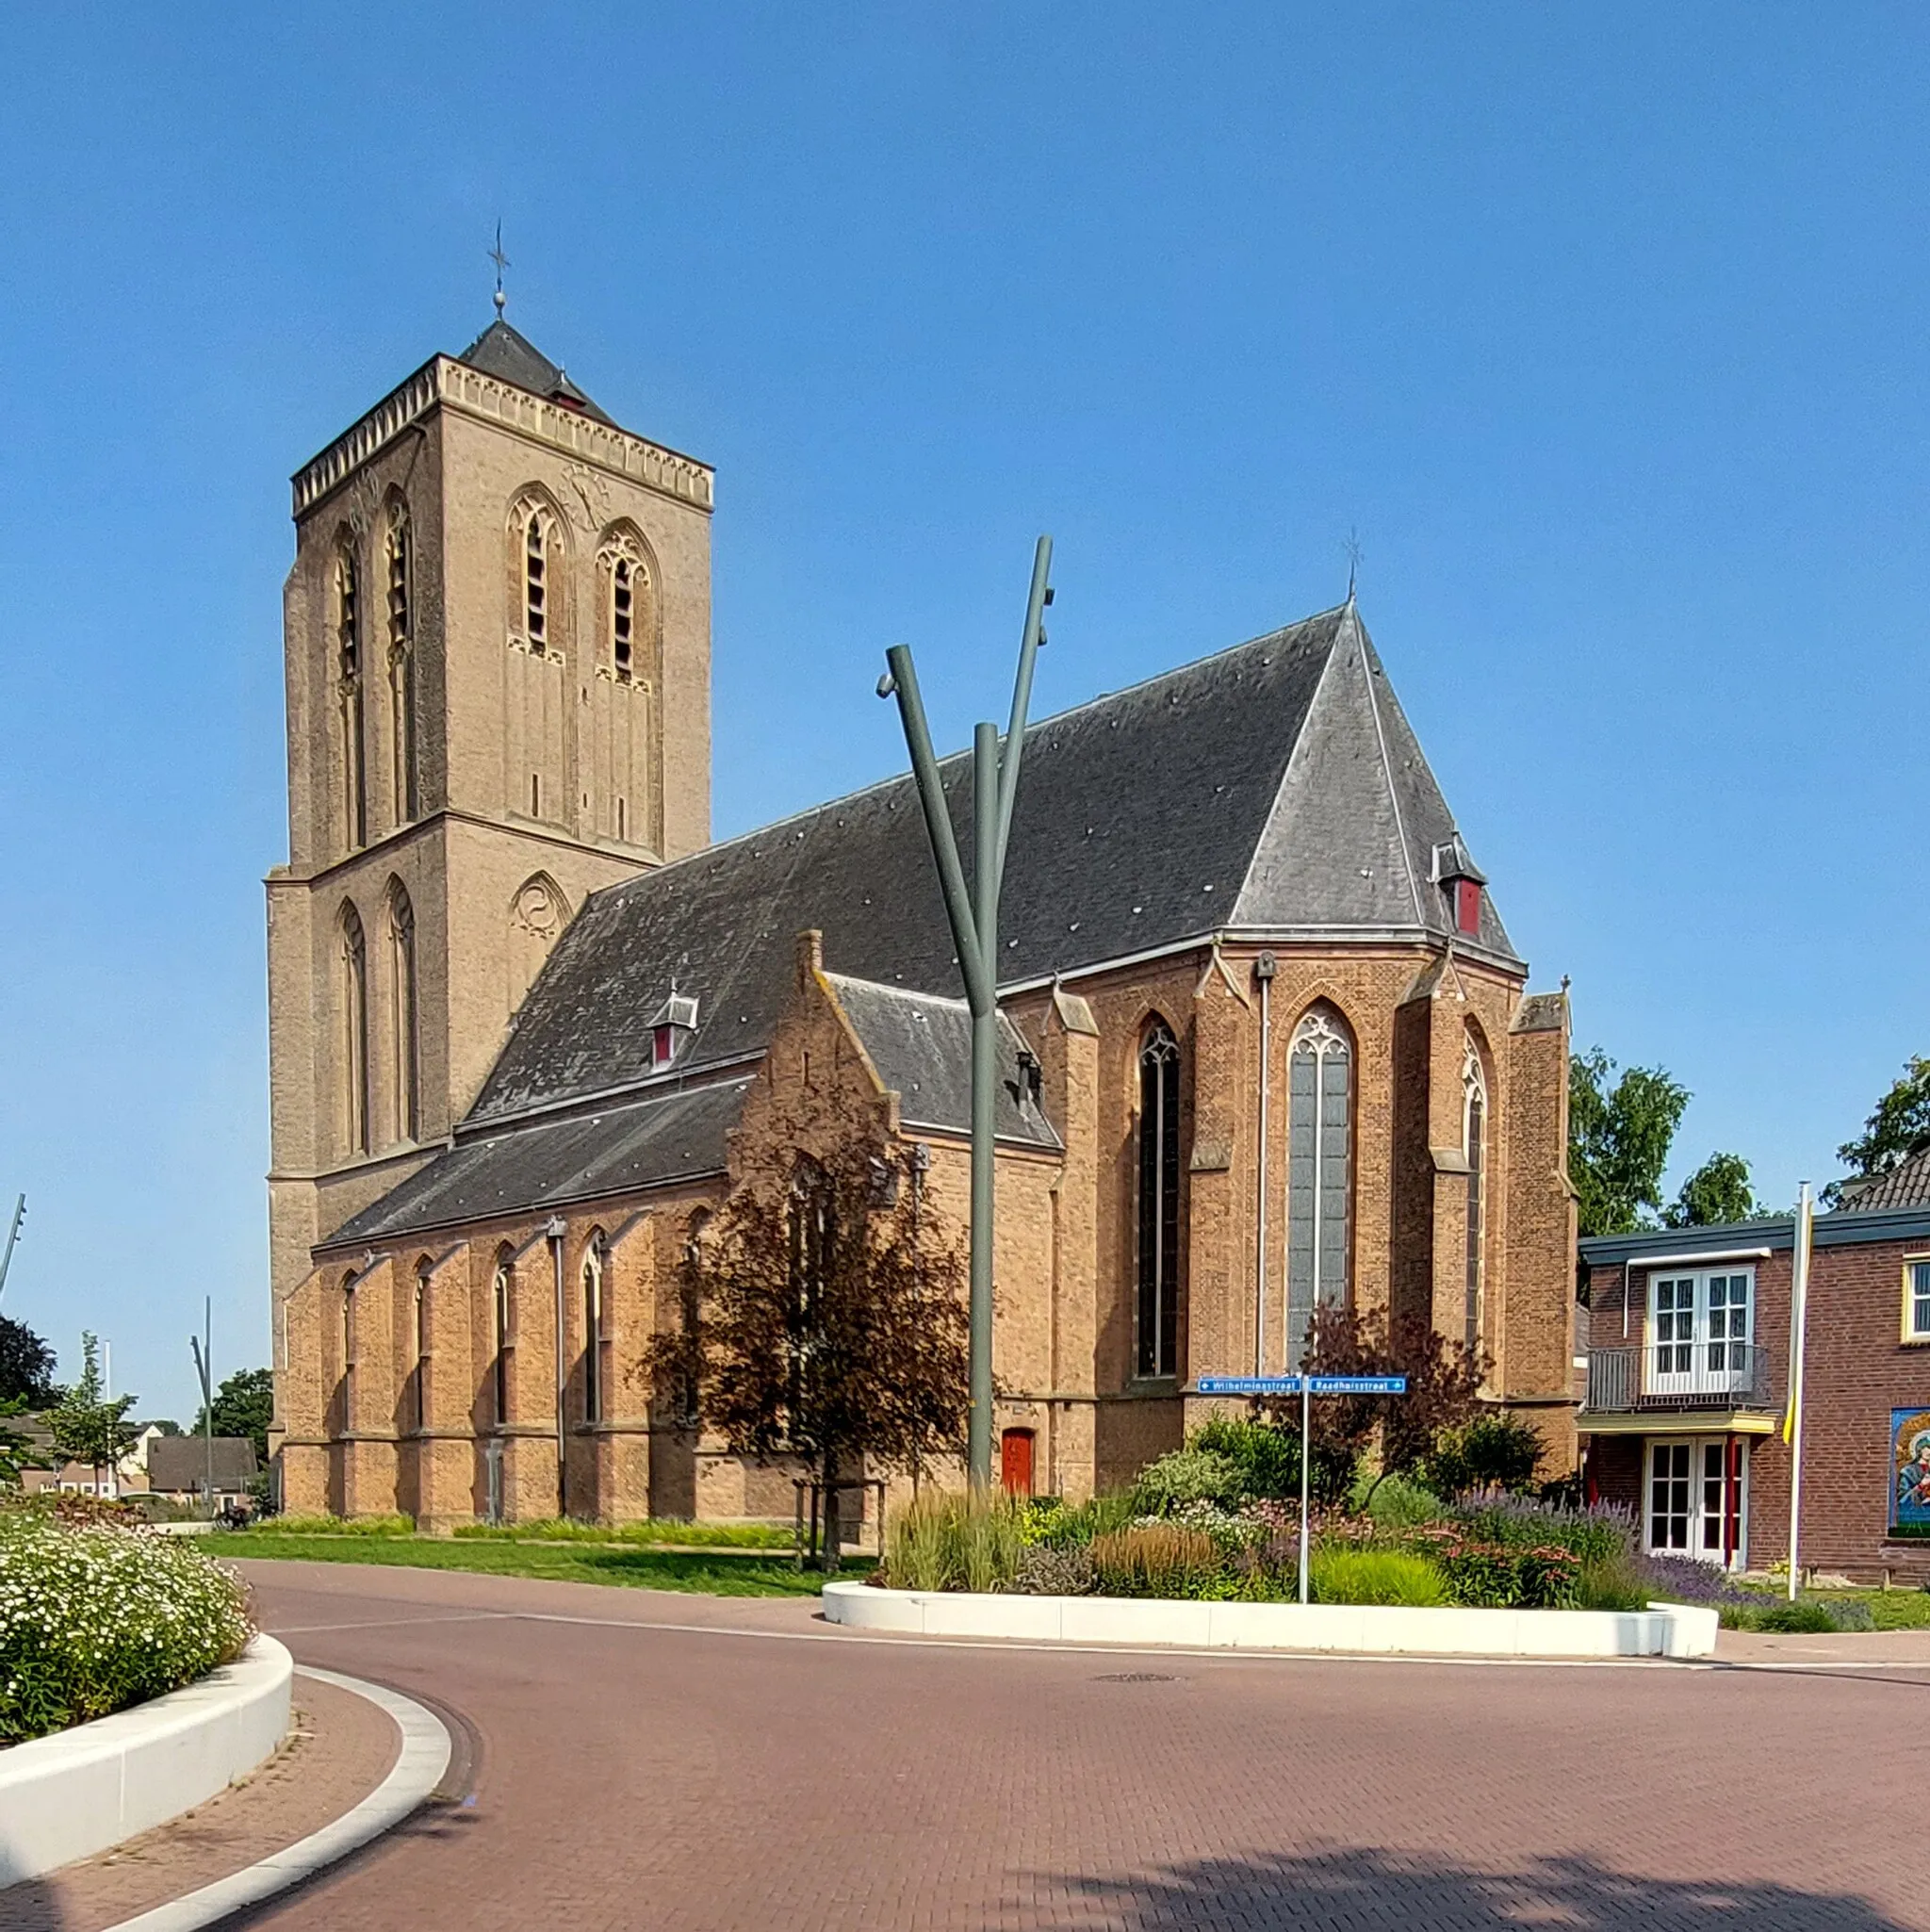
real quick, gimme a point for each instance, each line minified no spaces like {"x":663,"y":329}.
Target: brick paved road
{"x":642,"y":1766}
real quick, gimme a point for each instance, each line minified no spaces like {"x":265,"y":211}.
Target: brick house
{"x":1686,"y":1353}
{"x":1266,"y":1042}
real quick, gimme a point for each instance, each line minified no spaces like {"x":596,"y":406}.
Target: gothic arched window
{"x":1157,"y":1348}
{"x":593,"y":1328}
{"x":403,"y":1002}
{"x":1319,"y":1172}
{"x":354,"y":1032}
{"x":399,"y":552}
{"x":1474,"y":1087}
{"x":347,"y":613}
{"x":501,"y":1307}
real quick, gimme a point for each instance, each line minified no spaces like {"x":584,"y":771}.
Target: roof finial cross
{"x":501,"y":261}
{"x":1355,"y":557}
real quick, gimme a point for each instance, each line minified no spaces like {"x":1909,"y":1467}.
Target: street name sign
{"x":1292,"y":1385}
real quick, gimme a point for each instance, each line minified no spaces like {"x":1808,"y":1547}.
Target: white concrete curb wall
{"x":76,"y":1793}
{"x":1363,"y":1630}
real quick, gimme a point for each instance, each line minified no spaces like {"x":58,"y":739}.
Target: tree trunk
{"x":829,"y":1560}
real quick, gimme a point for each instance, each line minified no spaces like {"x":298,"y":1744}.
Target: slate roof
{"x":1275,"y":789}
{"x":922,"y":1048}
{"x":177,"y":1465}
{"x":500,"y":352}
{"x":668,"y":1137}
{"x":1907,"y":1185}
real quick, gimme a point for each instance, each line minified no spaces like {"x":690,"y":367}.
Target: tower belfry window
{"x":348,"y":617}
{"x":349,"y":668}
{"x":402,"y":669}
{"x":622,"y":617}
{"x":535,"y":585}
{"x":1474,"y":1083}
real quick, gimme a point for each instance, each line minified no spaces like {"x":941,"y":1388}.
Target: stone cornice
{"x":445,"y":383}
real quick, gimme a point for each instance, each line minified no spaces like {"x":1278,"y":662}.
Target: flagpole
{"x":1793,"y":1422}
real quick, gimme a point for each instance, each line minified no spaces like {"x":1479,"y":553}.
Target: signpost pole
{"x":1306,"y":1476}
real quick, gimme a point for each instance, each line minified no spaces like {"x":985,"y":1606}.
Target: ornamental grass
{"x":95,"y":1616}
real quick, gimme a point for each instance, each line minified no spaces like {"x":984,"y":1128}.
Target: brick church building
{"x":1269,"y":1044}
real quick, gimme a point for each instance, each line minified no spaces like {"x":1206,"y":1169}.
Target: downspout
{"x":556,"y":1229}
{"x":1264,"y":967}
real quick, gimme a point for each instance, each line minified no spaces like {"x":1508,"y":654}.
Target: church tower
{"x":498,"y":643}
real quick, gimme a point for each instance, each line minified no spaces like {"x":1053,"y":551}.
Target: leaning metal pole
{"x":974,"y":913}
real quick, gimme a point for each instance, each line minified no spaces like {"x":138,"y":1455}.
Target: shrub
{"x":343,"y":1526}
{"x":1155,"y":1560}
{"x":1185,"y":1476}
{"x":1267,"y":1459}
{"x":1394,"y":1502}
{"x":1075,"y":1527}
{"x":1791,"y":1619}
{"x":1050,"y":1570}
{"x":1374,"y":1576}
{"x":1610,"y":1583}
{"x":1595,"y":1535}
{"x":95,"y":1617}
{"x":1490,"y":1452}
{"x":942,"y":1540}
{"x":1501,"y":1576}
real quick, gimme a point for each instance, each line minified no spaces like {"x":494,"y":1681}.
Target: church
{"x":1266,"y":1044}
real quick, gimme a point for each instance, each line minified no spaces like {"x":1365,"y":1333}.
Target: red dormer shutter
{"x":1467,"y":905}
{"x":661,"y":1049}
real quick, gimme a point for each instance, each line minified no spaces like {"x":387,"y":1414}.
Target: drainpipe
{"x":556,"y":1230}
{"x":1263,"y":971}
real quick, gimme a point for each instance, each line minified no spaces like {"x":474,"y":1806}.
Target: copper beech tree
{"x":823,"y":1317}
{"x":1444,"y":1381}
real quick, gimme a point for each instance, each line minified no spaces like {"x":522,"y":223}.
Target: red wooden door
{"x":1015,"y":1461}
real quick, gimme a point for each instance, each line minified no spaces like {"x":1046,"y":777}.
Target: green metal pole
{"x":985,"y":1074}
{"x":1030,"y":639}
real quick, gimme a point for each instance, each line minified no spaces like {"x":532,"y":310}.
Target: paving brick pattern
{"x":697,"y":1765}
{"x":341,"y":1748}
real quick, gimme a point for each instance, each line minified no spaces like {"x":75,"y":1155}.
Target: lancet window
{"x":1319,"y":1185}
{"x":1157,"y":1341}
{"x":354,"y":1032}
{"x":1474,"y":1085}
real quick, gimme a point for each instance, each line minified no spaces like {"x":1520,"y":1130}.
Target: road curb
{"x":416,"y":1772}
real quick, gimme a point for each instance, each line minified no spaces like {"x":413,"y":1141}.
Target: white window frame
{"x":1917,"y":1298}
{"x":1701,"y":1347}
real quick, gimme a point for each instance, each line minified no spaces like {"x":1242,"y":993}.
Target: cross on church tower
{"x":501,"y":261}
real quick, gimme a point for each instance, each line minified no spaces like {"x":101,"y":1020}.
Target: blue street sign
{"x":1290,"y":1386}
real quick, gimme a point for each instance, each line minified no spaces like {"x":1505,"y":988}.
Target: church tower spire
{"x":497,"y":646}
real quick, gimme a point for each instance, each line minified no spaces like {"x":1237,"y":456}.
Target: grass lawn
{"x":1890,"y":1609}
{"x":715,"y":1573}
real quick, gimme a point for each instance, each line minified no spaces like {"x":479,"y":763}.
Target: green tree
{"x":1898,"y":1128}
{"x":26,"y":1366}
{"x":1619,"y":1136}
{"x":17,"y":1451}
{"x":88,"y":1427}
{"x":1718,"y":1191}
{"x":823,"y":1318}
{"x":244,"y":1406}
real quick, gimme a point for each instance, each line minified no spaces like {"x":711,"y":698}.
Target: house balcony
{"x":1685,"y":1387}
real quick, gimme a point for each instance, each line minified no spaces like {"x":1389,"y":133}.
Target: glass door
{"x":1670,"y":1495}
{"x":1700,"y":1333}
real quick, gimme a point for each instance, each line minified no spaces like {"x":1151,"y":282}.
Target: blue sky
{"x":1604,"y":328}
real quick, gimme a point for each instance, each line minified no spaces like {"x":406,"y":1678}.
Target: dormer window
{"x":672,"y":1028}
{"x":1461,"y":880}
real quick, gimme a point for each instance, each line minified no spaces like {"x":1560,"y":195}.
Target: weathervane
{"x":501,"y":261}
{"x":1355,"y":557}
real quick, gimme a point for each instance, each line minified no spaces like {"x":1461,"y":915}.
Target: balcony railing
{"x":1678,"y":1375}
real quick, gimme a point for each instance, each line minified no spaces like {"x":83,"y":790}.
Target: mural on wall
{"x":1910,"y":1471}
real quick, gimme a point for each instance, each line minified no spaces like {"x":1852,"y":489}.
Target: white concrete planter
{"x":1663,"y":1629}
{"x":76,"y":1793}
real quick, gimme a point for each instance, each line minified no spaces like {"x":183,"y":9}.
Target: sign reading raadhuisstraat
{"x":1292,"y":1385}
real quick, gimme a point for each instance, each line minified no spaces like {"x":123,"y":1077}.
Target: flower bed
{"x":97,"y":1613}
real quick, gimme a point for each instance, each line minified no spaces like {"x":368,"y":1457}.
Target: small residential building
{"x":179,"y":1468}
{"x":1687,"y":1355}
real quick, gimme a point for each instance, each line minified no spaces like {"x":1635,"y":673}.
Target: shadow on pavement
{"x":1347,"y":1890}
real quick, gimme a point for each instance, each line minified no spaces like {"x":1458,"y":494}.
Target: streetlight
{"x":974,"y":918}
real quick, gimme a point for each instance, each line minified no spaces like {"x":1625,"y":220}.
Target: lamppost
{"x":975,"y":917}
